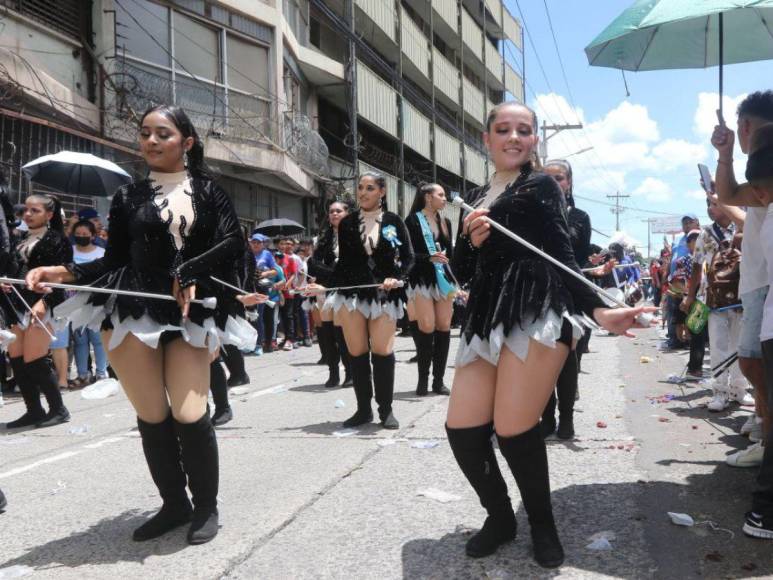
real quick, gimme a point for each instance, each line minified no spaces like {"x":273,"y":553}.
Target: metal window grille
{"x":66,"y":16}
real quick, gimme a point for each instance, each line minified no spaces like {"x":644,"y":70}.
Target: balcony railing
{"x":514,"y":83}
{"x":495,"y":7}
{"x":447,"y":10}
{"x":475,"y":166}
{"x":447,"y":151}
{"x":415,"y":44}
{"x":494,"y":61}
{"x":417,"y":130}
{"x":376,"y":100}
{"x":473,"y":101}
{"x":513,"y":30}
{"x":445,"y":76}
{"x":382,"y":13}
{"x":472,"y":34}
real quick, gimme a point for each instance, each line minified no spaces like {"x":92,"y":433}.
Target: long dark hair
{"x":420,"y":201}
{"x":196,"y":165}
{"x":566,"y":167}
{"x":52,"y":204}
{"x":380,"y":181}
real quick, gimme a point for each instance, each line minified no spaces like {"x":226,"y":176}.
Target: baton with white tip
{"x":32,"y":312}
{"x":269,"y":303}
{"x":644,"y":319}
{"x":210,"y":302}
{"x":400,"y":284}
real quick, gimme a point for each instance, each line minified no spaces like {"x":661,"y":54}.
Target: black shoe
{"x":29,"y":419}
{"x":565,"y":428}
{"x":348,"y":381}
{"x":55,"y":417}
{"x":424,"y":342}
{"x":359,"y":418}
{"x":439,"y":361}
{"x":758,"y":526}
{"x":321,"y":361}
{"x":204,"y":526}
{"x":238,"y":381}
{"x":334,"y":379}
{"x":498,"y":529}
{"x":548,"y":551}
{"x":167,"y":519}
{"x":422,"y":389}
{"x":439,"y":388}
{"x":222,"y":416}
{"x":162,"y":453}
{"x":390,"y":422}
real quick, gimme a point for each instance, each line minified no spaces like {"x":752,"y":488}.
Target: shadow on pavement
{"x":106,"y":542}
{"x":625,"y":509}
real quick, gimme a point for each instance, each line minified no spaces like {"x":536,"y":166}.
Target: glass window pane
{"x":247,"y":67}
{"x":204,"y":103}
{"x":142,"y":40}
{"x":196,"y":48}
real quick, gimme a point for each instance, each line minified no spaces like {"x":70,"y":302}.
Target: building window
{"x":218,"y":76}
{"x":70,"y":17}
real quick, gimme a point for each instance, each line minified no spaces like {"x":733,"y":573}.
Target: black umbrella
{"x":279,"y":227}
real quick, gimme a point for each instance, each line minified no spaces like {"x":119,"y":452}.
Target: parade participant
{"x":373,"y":248}
{"x":265,"y":269}
{"x":431,"y":289}
{"x":168,"y":233}
{"x":43,"y":244}
{"x":321,"y":267}
{"x":566,"y":386}
{"x":517,"y":333}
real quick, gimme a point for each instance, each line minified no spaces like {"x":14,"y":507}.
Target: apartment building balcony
{"x":473,"y":102}
{"x":417,"y":130}
{"x":474,"y":166}
{"x":446,"y":18}
{"x":472,"y":35}
{"x":513,"y":30}
{"x":446,"y":78}
{"x":415,"y":46}
{"x":494,"y":63}
{"x":514,"y":83}
{"x":376,"y":21}
{"x":447,"y":151}
{"x":376,"y":100}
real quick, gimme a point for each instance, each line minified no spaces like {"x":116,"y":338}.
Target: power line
{"x":625,"y":207}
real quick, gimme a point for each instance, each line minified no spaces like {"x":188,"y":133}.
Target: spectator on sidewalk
{"x":753,"y":112}
{"x":759,"y":171}
{"x":265,"y":269}
{"x":675,"y":293}
{"x":286,"y":260}
{"x":724,"y":320}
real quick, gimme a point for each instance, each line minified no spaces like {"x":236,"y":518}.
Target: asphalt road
{"x":300,"y":498}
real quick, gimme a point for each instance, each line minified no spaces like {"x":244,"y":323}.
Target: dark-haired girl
{"x":168,"y":233}
{"x":431,"y":288}
{"x":566,"y":386}
{"x":373,"y":248}
{"x":321,"y":267}
{"x":44,"y":244}
{"x":517,"y":334}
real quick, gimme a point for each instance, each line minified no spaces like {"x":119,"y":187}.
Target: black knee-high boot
{"x":440,"y":360}
{"x":424,"y":348}
{"x":198,"y":444}
{"x":327,"y":335}
{"x":162,"y":453}
{"x":567,"y":391}
{"x":343,"y":352}
{"x":414,"y":326}
{"x":474,"y":452}
{"x":363,"y":390}
{"x":323,"y":346}
{"x":234,"y":361}
{"x":41,"y":373}
{"x":384,"y":386}
{"x":219,"y":388}
{"x":31,"y":395}
{"x":528,"y":460}
{"x":547,"y":425}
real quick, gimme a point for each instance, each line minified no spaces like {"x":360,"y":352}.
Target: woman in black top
{"x":321,"y":267}
{"x":517,"y":333}
{"x":44,"y":244}
{"x":168,"y":233}
{"x":373,"y":248}
{"x":431,"y":288}
{"x":579,"y":234}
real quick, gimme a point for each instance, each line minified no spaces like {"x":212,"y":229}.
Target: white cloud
{"x":654,"y":190}
{"x":626,"y":122}
{"x":696,"y":194}
{"x":706,"y":113}
{"x":673,"y":154}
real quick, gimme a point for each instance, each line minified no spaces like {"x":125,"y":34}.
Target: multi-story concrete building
{"x":292,"y":97}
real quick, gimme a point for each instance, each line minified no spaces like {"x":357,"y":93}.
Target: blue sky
{"x":648,"y":144}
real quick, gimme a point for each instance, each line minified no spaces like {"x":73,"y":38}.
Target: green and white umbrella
{"x":676,"y":34}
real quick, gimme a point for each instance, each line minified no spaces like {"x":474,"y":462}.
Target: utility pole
{"x":617,"y":210}
{"x":649,"y":221}
{"x":543,"y":146}
{"x":351,"y":74}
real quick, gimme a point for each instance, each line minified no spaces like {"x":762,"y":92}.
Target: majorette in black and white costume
{"x":372,"y":246}
{"x":515,"y":295}
{"x":168,"y":225}
{"x":331,"y":337}
{"x":422,"y":278}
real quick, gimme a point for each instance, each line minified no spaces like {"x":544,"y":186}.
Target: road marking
{"x":51,"y":459}
{"x":270,"y":391}
{"x":106,"y":441}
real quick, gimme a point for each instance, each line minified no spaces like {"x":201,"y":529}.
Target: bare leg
{"x":61,"y":365}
